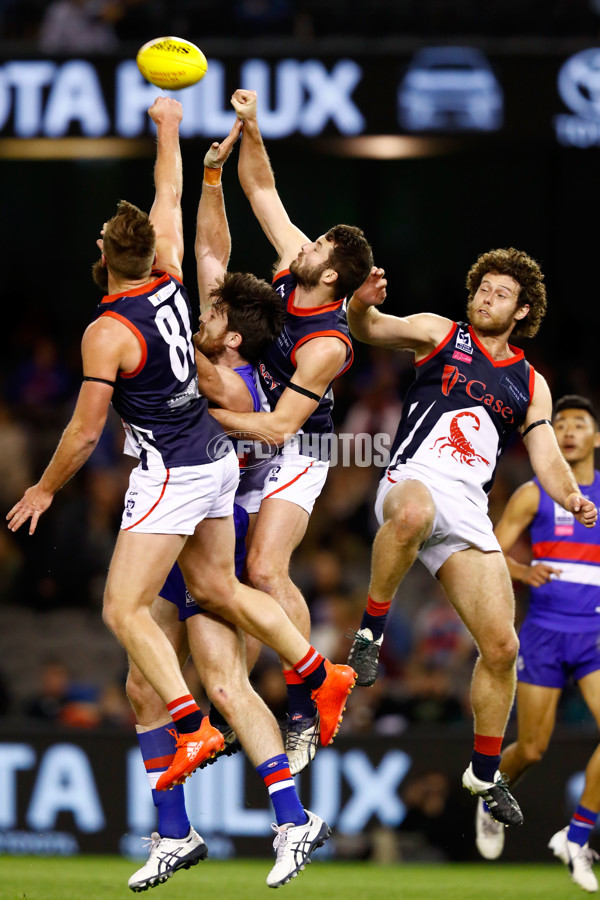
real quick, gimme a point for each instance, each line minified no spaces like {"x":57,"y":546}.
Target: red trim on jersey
{"x":138,"y":334}
{"x":142,"y":289}
{"x":316,"y":334}
{"x":281,"y":775}
{"x":439,"y":347}
{"x":517,"y":356}
{"x":283,"y":486}
{"x":531,"y":382}
{"x":280,"y":275}
{"x":159,"y":762}
{"x":567,"y":550}
{"x":305,"y":310}
{"x":152,"y":508}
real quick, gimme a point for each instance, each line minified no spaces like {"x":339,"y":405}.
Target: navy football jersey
{"x":166,"y":420}
{"x":461,"y":410}
{"x":301,"y":325}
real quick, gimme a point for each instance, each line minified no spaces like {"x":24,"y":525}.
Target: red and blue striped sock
{"x":375,"y":616}
{"x":186,"y":714}
{"x":158,"y":749}
{"x":581,"y":825}
{"x":275,"y":773}
{"x":311,"y":668}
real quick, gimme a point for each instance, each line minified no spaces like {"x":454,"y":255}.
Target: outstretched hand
{"x":218,"y":154}
{"x":32,"y":504}
{"x":244,"y":103}
{"x":165,"y":109}
{"x":583,"y":509}
{"x":373,"y":290}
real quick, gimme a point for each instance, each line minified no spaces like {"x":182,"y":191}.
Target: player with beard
{"x":471,"y":392}
{"x":296,"y":375}
{"x":138,"y":354}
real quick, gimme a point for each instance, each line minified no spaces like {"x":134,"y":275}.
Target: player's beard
{"x":491,"y":327}
{"x":307,"y":277}
{"x":100,"y":275}
{"x":213,"y":348}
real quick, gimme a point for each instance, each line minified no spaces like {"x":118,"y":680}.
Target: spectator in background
{"x":80,"y":26}
{"x":52,"y":693}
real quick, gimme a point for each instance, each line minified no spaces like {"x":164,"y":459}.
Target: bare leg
{"x":149,"y":709}
{"x":217,"y":589}
{"x":220,"y":658}
{"x":536,"y":715}
{"x":409,"y":513}
{"x":131,"y":588}
{"x":590,"y":688}
{"x":478,"y":586}
{"x":279,"y":528}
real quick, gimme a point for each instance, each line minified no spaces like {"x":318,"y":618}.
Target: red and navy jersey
{"x":166,"y":420}
{"x":301,"y":325}
{"x":461,"y":410}
{"x":570,"y":602}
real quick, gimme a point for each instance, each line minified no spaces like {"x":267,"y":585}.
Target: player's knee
{"x":532,"y":752}
{"x":500,"y":654}
{"x":410,"y":522}
{"x":263,"y":574}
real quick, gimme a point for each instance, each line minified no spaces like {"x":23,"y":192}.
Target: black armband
{"x":111,"y":384}
{"x":301,"y":390}
{"x":535,"y":424}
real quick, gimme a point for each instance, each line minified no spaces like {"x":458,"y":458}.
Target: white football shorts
{"x":288,"y":476}
{"x":459,"y":521}
{"x":173,"y":501}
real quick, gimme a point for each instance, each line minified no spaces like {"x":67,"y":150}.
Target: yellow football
{"x":171,"y":63}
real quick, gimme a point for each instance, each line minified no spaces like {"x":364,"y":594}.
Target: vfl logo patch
{"x":460,"y":448}
{"x":463,"y":342}
{"x":129,"y":508}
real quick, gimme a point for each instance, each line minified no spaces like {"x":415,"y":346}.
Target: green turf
{"x":98,"y":878}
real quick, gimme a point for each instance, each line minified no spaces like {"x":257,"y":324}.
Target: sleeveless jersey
{"x":166,"y":420}
{"x":279,"y":364}
{"x":248,"y":375}
{"x":461,"y":410}
{"x":570,"y":602}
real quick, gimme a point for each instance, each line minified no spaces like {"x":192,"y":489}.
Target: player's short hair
{"x":526,"y":272}
{"x":575,"y":401}
{"x":129,"y":241}
{"x":253,"y":308}
{"x":351,"y":257}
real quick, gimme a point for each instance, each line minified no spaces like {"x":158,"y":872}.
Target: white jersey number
{"x":181,"y":351}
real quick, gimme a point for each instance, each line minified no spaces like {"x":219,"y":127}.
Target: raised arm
{"x":550,"y":466}
{"x":213,"y":240}
{"x":165,"y":214}
{"x":420,"y":333}
{"x":258,"y":182}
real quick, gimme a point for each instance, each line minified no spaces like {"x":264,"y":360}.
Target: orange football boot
{"x":330,"y":699}
{"x":192,"y":749}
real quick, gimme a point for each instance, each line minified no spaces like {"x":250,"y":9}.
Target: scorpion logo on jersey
{"x":462,"y":449}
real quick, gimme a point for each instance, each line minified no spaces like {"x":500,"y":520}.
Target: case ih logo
{"x":449,"y":379}
{"x":476,"y":390}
